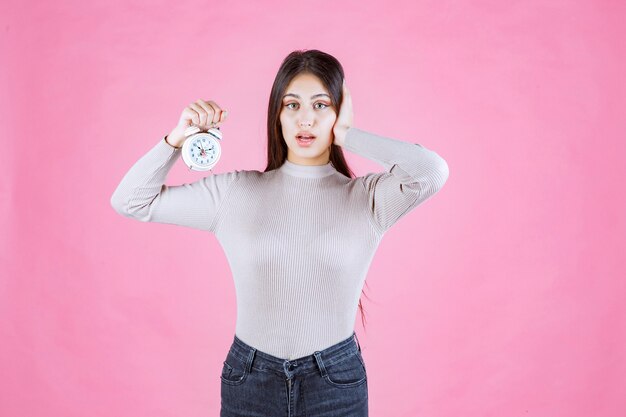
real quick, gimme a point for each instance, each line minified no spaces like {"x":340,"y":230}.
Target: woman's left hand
{"x":344,"y":118}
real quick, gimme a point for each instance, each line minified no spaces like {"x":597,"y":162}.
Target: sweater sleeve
{"x":142,"y":194}
{"x":413,"y":174}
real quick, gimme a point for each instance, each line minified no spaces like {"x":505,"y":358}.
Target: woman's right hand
{"x":202,"y":114}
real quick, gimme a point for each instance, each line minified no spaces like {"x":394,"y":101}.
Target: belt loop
{"x":320,"y":363}
{"x":250,"y":358}
{"x":357,"y":341}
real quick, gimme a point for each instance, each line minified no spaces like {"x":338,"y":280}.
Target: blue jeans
{"x":328,"y":383}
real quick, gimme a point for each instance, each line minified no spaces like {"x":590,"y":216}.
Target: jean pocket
{"x":234,"y":370}
{"x":348,"y":372}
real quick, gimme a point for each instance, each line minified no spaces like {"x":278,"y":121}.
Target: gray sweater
{"x":299,"y":239}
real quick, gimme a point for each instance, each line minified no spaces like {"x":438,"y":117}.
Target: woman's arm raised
{"x":142,"y":194}
{"x":413,"y":174}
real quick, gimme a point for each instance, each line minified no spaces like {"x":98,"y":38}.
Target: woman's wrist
{"x":173,"y":146}
{"x":340,"y":135}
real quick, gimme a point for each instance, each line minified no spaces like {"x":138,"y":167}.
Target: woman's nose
{"x":306,"y":116}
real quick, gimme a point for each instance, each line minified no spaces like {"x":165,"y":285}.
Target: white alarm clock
{"x":201,"y":150}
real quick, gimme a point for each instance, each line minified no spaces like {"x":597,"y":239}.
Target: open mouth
{"x":305,"y":139}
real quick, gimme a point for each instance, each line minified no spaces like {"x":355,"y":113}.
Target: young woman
{"x":299,"y":237}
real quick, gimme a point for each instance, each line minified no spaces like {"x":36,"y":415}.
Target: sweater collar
{"x":307,"y":171}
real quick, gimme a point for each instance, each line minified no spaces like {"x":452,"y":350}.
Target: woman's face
{"x":306,"y":107}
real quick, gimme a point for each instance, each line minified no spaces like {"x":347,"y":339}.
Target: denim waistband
{"x":255,"y":358}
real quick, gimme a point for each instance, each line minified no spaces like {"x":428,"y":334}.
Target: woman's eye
{"x":323,"y":104}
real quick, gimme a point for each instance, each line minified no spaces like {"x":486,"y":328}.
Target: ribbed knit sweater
{"x":299,"y":239}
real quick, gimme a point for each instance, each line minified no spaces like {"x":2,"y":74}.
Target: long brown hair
{"x":330,"y":72}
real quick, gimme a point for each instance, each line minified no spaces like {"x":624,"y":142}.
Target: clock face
{"x":203,"y":150}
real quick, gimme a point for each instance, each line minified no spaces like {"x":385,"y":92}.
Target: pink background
{"x":501,"y":296}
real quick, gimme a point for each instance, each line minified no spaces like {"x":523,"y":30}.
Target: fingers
{"x":207,"y":112}
{"x":201,"y":115}
{"x":212,"y":110}
{"x":217,"y":114}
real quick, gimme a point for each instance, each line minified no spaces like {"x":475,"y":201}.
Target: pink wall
{"x":502,"y":296}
